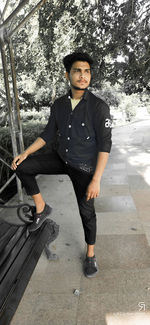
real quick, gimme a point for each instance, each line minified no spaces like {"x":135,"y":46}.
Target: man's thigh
{"x":80,"y":181}
{"x":49,"y":163}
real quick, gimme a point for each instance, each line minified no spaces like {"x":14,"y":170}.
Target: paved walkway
{"x":120,"y":294}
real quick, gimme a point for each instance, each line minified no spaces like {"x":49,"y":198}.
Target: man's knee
{"x":23,"y":167}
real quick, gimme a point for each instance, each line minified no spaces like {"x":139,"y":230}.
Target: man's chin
{"x":79,"y":88}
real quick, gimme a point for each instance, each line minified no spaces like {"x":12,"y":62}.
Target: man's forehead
{"x":81,"y":64}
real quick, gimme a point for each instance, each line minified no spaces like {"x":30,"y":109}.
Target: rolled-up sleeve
{"x":103,"y":128}
{"x":50,"y":131}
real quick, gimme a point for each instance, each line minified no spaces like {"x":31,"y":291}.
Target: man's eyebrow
{"x":81,"y":69}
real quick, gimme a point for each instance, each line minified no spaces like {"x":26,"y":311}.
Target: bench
{"x":19,"y":254}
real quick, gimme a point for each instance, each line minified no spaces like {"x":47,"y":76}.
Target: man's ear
{"x":67,"y":75}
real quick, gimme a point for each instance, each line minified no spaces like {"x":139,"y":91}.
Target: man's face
{"x":80,"y":75}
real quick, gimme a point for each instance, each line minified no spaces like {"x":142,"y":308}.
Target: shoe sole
{"x":92,"y":275}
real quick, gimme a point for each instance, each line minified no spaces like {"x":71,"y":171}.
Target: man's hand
{"x":36,"y":145}
{"x":18,"y":160}
{"x":93,"y":189}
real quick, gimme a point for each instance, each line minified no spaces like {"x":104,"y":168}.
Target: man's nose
{"x":82,"y":74}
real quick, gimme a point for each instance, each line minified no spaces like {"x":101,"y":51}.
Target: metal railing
{"x":13,"y":109}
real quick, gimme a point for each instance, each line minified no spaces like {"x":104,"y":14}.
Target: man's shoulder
{"x":99,"y":102}
{"x":61,"y":99}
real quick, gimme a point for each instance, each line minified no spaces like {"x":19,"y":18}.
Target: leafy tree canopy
{"x":116,"y":34}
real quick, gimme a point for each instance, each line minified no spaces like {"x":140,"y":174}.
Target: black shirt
{"x":82,"y":132}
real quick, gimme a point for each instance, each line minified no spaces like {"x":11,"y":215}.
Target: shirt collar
{"x":85,"y":95}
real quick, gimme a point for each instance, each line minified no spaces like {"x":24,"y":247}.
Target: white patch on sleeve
{"x":108,"y":123}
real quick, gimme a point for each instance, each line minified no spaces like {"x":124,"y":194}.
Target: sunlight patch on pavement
{"x":146,"y":175}
{"x":141,"y":159}
{"x":122,"y":150}
{"x":137,"y":318}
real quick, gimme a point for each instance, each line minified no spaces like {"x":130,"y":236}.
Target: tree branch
{"x":14,"y":13}
{"x":27,"y":17}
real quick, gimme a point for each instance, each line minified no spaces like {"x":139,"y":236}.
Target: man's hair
{"x":68,"y":60}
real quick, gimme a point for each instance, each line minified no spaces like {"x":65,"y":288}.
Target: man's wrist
{"x":96,"y":178}
{"x":26,"y":153}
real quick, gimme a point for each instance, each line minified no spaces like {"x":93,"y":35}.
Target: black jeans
{"x":52,"y":164}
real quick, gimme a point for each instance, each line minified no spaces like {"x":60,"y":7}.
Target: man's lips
{"x":82,"y":81}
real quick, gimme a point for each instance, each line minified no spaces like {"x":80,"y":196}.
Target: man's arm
{"x":93,"y":189}
{"x":38,"y":144}
{"x":102,"y":126}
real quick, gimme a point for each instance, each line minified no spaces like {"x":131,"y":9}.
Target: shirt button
{"x":83,"y":124}
{"x":68,"y":138}
{"x":66,"y":162}
{"x":69,"y":126}
{"x":66,"y":150}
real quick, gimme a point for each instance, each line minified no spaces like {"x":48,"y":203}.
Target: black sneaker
{"x":39,"y":218}
{"x":33,"y":210}
{"x":90,"y":266}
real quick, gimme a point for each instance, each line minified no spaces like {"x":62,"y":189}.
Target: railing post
{"x":11,"y":119}
{"x":16,"y":108}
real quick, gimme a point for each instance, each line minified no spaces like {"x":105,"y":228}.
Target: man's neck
{"x":77,"y":94}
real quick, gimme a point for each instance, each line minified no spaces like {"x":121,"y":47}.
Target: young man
{"x":81,"y":122}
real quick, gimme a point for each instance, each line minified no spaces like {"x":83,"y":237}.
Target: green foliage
{"x":116,"y":35}
{"x":31,"y":130}
{"x":5,"y":142}
{"x":145,"y":101}
{"x":110,"y":94}
{"x":128,"y":106}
